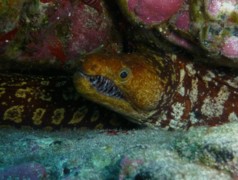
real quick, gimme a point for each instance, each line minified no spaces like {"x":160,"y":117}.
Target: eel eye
{"x":124,"y":73}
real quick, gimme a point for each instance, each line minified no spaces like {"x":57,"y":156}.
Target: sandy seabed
{"x":200,"y":153}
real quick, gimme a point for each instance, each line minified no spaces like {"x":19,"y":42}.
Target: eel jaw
{"x":103,"y":85}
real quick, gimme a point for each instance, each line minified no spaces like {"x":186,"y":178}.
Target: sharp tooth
{"x":116,"y":95}
{"x":101,"y":84}
{"x":114,"y":92}
{"x":110,"y":91}
{"x":92,"y":78}
{"x":97,"y":82}
{"x":114,"y":89}
{"x":101,"y":89}
{"x":95,"y":78}
{"x":109,"y":88}
{"x":105,"y":86}
{"x":107,"y":82}
{"x":119,"y":95}
{"x":100,"y":79}
{"x":94,"y":81}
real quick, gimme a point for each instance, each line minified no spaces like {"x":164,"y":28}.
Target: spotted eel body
{"x":165,"y":91}
{"x":49,"y":102}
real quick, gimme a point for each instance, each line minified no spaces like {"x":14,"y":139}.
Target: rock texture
{"x":200,"y":153}
{"x":199,"y":27}
{"x":53,"y":31}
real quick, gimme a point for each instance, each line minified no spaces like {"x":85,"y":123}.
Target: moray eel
{"x":159,"y":91}
{"x":50,"y":102}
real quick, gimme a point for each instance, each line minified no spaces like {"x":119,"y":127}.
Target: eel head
{"x":128,"y":84}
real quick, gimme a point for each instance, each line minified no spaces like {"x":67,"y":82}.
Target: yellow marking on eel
{"x":2,"y":91}
{"x":14,"y":113}
{"x":5,"y":126}
{"x":45,"y":83}
{"x":95,"y":116}
{"x":99,"y":126}
{"x":78,"y":116}
{"x":60,"y":84}
{"x":45,"y":97}
{"x":114,"y":122}
{"x":4,"y":103}
{"x":22,"y":93}
{"x":58,"y":116}
{"x":14,"y":84}
{"x":38,"y":115}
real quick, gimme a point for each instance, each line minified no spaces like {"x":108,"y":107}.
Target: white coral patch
{"x":233,"y":117}
{"x":182,"y":75}
{"x":181,"y":91}
{"x":209,"y":76}
{"x":191,"y":69}
{"x":227,"y":7}
{"x":233,"y":83}
{"x":178,"y":110}
{"x":177,"y":113}
{"x":175,"y":124}
{"x":214,"y":106}
{"x":193,"y":118}
{"x":161,"y":118}
{"x":194,"y":91}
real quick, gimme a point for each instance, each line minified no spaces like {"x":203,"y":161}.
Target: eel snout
{"x":102,"y":84}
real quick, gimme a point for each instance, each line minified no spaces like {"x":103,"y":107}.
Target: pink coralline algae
{"x":216,"y":8}
{"x":183,"y":21}
{"x":154,"y":11}
{"x":32,"y":171}
{"x":205,"y":28}
{"x":49,"y":30}
{"x":230,"y":47}
{"x":96,"y":4}
{"x":88,"y":30}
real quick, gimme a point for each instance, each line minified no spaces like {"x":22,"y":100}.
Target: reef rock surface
{"x":200,"y":153}
{"x":207,"y":28}
{"x":52,"y":30}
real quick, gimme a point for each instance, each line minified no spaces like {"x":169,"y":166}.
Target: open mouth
{"x":103,"y":85}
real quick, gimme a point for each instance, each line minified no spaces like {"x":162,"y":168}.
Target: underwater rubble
{"x":199,"y":153}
